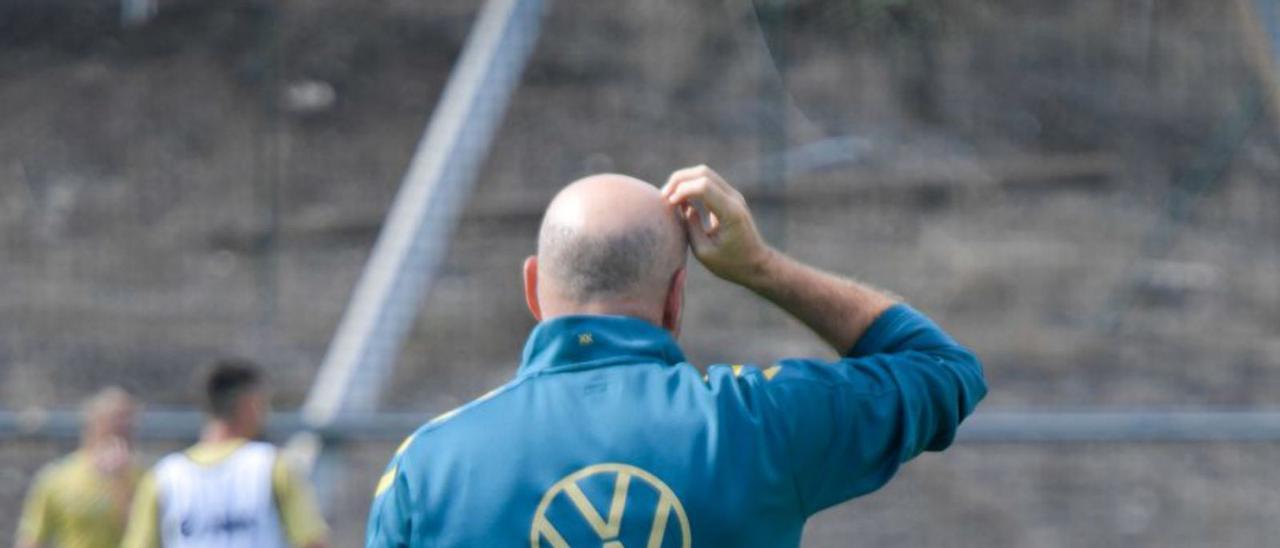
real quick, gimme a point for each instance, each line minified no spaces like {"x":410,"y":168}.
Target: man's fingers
{"x":685,"y":174}
{"x":717,"y":202}
{"x":698,"y":237}
{"x":718,"y":221}
{"x":695,"y":173}
{"x":694,"y":217}
{"x":689,"y":189}
{"x":712,"y":196}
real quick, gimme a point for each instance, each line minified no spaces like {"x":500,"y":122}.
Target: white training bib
{"x":229,"y":504}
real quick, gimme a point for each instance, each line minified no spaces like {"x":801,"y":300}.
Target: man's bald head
{"x":608,"y":239}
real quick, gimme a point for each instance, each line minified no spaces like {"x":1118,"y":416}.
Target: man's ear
{"x":531,"y":286}
{"x":673,"y":308}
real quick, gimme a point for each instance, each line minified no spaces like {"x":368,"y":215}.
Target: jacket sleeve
{"x":847,"y":425}
{"x":391,"y":515}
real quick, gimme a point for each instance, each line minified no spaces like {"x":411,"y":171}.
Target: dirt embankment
{"x":1077,"y":189}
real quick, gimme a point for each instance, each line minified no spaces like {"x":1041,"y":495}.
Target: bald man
{"x":608,"y":437}
{"x":82,"y":499}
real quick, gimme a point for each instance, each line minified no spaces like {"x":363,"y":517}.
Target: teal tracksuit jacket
{"x":608,"y":437}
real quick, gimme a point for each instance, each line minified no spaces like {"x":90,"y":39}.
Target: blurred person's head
{"x":109,"y":416}
{"x":609,"y":244}
{"x":235,"y":394}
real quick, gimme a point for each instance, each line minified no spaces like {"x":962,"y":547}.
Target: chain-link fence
{"x":1084,"y":192}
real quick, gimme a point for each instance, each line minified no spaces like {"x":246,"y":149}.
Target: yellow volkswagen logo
{"x":609,"y":529}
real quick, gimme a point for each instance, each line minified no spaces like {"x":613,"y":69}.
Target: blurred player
{"x":227,"y":490}
{"x":82,"y":500}
{"x":608,"y":437}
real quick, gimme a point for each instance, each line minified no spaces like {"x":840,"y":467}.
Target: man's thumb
{"x":698,"y":237}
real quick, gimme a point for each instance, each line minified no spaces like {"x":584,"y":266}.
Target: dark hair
{"x":591,"y":266}
{"x":227,"y":379}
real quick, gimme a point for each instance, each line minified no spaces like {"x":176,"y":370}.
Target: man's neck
{"x":631,"y":310}
{"x":219,"y":431}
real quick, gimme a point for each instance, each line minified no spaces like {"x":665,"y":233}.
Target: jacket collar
{"x":583,"y":342}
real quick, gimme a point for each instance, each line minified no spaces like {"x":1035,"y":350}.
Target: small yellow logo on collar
{"x":585,"y":339}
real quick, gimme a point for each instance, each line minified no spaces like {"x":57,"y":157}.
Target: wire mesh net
{"x":1084,"y":192}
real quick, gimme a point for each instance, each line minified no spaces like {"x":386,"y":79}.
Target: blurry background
{"x":1085,"y":192}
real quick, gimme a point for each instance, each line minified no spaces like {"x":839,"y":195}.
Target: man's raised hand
{"x":725,"y":239}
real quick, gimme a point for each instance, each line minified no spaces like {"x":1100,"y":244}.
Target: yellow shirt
{"x":299,"y":515}
{"x":72,"y":505}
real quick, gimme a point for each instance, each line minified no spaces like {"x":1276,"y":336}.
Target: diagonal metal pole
{"x":422,"y":219}
{"x":416,"y":234}
{"x":1259,"y":22}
